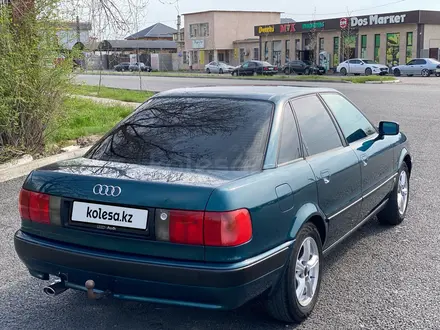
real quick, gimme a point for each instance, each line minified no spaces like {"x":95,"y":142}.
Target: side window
{"x":245,"y":65}
{"x":289,"y":143}
{"x":422,"y":62}
{"x":412,"y":62}
{"x":318,"y":131}
{"x":353,"y":123}
{"x":252,"y":65}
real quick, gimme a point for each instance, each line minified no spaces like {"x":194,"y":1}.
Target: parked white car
{"x":418,"y":66}
{"x":218,"y":67}
{"x":360,"y":66}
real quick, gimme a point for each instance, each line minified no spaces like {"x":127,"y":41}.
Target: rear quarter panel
{"x":276,"y":214}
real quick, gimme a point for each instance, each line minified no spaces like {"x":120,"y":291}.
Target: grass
{"x":125,"y":95}
{"x":323,"y":78}
{"x":83,"y":118}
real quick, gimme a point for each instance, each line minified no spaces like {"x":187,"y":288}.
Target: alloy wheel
{"x":307,"y":271}
{"x":402,"y":193}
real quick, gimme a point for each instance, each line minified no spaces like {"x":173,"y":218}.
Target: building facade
{"x":390,"y":39}
{"x":210,"y":35}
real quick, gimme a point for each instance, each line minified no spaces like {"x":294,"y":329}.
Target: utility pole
{"x":78,"y":30}
{"x":179,"y":49}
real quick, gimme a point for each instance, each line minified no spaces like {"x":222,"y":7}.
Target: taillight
{"x":227,"y":228}
{"x":186,"y":227}
{"x":204,"y":228}
{"x":34,"y":206}
{"x":265,"y":68}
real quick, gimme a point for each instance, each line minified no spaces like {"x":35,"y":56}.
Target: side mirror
{"x":388,"y":128}
{"x":362,"y":63}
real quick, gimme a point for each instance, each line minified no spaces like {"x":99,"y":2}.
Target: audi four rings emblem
{"x":105,"y":190}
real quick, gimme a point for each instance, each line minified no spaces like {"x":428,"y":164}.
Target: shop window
{"x":409,"y":46}
{"x":287,"y":50}
{"x":376,"y":47}
{"x":195,"y":57}
{"x":185,"y":58}
{"x":297,"y":47}
{"x":335,"y":51}
{"x":256,"y":54}
{"x":266,"y":50}
{"x":276,"y":53}
{"x":393,"y":49}
{"x":241,"y":55}
{"x":321,"y":44}
{"x":364,"y":46}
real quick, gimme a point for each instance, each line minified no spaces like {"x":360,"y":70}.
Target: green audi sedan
{"x":210,"y":197}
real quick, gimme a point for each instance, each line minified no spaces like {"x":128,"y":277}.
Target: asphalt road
{"x":380,"y":278}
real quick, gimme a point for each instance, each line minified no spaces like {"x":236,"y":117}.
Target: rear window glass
{"x":194,"y":133}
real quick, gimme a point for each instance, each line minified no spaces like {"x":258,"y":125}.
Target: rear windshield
{"x":194,"y":133}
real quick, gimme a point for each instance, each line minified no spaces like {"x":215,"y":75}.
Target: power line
{"x":345,"y":12}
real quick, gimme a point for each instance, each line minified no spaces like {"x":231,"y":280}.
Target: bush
{"x":33,"y":80}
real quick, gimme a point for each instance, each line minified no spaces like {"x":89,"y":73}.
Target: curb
{"x":383,"y":82}
{"x":24,"y":169}
{"x":237,"y":78}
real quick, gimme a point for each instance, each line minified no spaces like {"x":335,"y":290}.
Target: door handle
{"x":364,"y":159}
{"x":325,"y":175}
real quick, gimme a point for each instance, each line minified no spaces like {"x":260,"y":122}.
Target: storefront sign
{"x":377,"y":20}
{"x":290,"y":27}
{"x":343,"y":23}
{"x":314,"y":25}
{"x":197,"y":44}
{"x":266,"y":29}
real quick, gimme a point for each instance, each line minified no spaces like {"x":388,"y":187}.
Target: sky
{"x":166,"y":12}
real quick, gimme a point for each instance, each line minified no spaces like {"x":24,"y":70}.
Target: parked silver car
{"x":218,"y":67}
{"x":418,"y":66}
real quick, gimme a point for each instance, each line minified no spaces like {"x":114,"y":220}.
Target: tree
{"x":348,"y":39}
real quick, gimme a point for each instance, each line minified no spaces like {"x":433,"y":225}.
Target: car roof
{"x":251,"y":92}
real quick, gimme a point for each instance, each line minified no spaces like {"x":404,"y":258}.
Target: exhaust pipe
{"x":55,"y":289}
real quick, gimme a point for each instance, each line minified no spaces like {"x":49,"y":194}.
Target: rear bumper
{"x":224,"y":286}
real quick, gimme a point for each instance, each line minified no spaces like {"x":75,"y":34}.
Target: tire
{"x":396,"y":72}
{"x":343,"y":72}
{"x":234,"y":73}
{"x":368,"y":72}
{"x":286,"y":71}
{"x":437,"y":74}
{"x":254,"y":73}
{"x":208,"y":71}
{"x":392,"y":214}
{"x":283,"y":303}
{"x":307,"y":72}
{"x":220,"y":71}
{"x":425,"y":73}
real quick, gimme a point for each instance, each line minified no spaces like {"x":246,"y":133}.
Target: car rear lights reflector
{"x":227,"y":228}
{"x":34,"y":206}
{"x":230,"y":228}
{"x":186,"y":227}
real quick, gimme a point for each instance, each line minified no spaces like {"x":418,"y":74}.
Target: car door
{"x":408,"y":68}
{"x":354,"y":66}
{"x":243,"y":69}
{"x":420,"y":65}
{"x":214,"y":67}
{"x":252,"y":67}
{"x":376,"y":155}
{"x":335,"y":166}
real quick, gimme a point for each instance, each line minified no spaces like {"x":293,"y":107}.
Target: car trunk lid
{"x":87,"y":191}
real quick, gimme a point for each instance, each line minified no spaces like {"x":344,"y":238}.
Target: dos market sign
{"x":373,"y":20}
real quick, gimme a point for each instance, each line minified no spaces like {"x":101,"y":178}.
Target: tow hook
{"x":91,"y":294}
